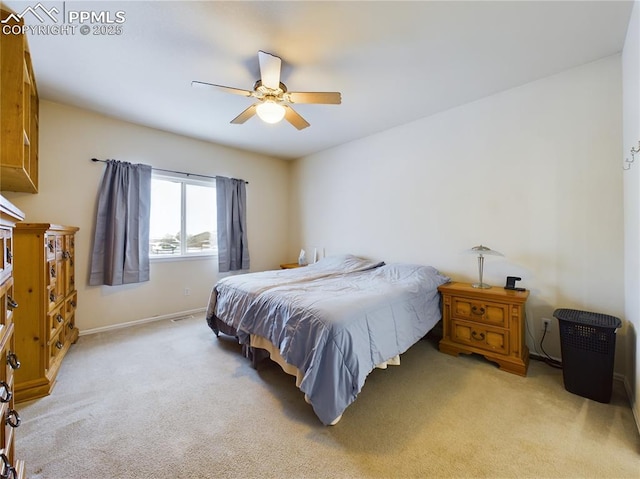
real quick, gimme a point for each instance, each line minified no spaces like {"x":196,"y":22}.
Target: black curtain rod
{"x":172,"y":171}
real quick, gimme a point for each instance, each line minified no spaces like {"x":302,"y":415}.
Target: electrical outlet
{"x":545,"y":325}
{"x":187,"y":292}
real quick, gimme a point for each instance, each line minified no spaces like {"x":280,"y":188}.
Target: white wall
{"x":69,"y":181}
{"x":532,"y":172}
{"x":631,"y":138}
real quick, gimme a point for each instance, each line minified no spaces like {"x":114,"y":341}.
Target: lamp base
{"x":481,"y":285}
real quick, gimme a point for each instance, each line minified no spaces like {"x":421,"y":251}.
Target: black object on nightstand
{"x":511,"y":283}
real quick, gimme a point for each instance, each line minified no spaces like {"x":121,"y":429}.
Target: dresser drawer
{"x":55,"y":347}
{"x":10,"y":359}
{"x":11,"y":419}
{"x":495,"y":314}
{"x":55,"y":321}
{"x":7,"y":305}
{"x":6,"y":254}
{"x":50,"y":247}
{"x":71,"y":303}
{"x":480,"y":336}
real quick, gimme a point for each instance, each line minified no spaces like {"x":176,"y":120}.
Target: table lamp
{"x":481,"y":251}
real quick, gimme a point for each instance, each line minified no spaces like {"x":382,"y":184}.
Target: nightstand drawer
{"x":495,"y":314}
{"x":480,"y":336}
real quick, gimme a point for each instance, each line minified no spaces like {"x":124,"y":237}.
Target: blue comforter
{"x":336,"y":329}
{"x":231,"y":296}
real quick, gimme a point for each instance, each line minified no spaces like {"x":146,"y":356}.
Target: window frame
{"x":183,"y":180}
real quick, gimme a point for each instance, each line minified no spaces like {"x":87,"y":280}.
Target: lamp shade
{"x":270,"y":112}
{"x":484,"y":250}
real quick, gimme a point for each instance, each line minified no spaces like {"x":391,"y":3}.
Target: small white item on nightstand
{"x":302,"y":259}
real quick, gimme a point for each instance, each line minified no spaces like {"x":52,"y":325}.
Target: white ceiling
{"x":393,"y":62}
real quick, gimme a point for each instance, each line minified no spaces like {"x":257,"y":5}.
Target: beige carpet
{"x":170,"y":400}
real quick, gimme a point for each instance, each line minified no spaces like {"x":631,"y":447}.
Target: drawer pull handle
{"x":73,"y":303}
{"x":70,"y":325}
{"x":58,"y":345}
{"x":11,"y":304}
{"x":9,"y":255}
{"x":66,"y":255}
{"x":59,"y":318}
{"x":52,"y":297}
{"x":13,"y":418}
{"x":6,"y":395}
{"x":476,"y":310}
{"x":476,"y":336}
{"x":53,"y":272}
{"x":12,"y":360}
{"x":51,"y":246}
{"x":8,"y":471}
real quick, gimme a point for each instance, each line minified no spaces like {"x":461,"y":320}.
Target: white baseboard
{"x":141,"y":321}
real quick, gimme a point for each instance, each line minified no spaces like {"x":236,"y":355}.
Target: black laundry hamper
{"x":588,"y":344}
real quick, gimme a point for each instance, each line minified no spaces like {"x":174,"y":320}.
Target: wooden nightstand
{"x":291,"y":265}
{"x":489,"y":322}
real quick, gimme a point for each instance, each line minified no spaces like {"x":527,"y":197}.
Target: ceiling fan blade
{"x":269,"y":69}
{"x":227,"y":89}
{"x":245,"y":115}
{"x":294,"y":118}
{"x":327,"y":98}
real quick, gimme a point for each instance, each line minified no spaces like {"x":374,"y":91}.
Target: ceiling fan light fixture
{"x":270,"y":112}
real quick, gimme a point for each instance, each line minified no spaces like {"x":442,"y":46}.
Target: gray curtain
{"x":121,"y":243}
{"x":233,"y":249}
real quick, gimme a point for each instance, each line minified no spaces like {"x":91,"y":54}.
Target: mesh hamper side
{"x":587,"y":342}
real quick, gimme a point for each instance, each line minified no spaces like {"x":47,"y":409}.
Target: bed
{"x":332,"y":324}
{"x":232,"y":295}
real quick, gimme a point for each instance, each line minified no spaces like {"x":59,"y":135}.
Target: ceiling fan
{"x":273,"y":98}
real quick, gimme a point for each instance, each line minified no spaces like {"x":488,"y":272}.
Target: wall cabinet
{"x":19,"y":107}
{"x":10,"y":466}
{"x":44,"y":256}
{"x":489,"y":322}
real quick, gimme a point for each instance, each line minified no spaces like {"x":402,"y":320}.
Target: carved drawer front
{"x":59,"y":239}
{"x":55,"y":321}
{"x":6,"y":380}
{"x":7,"y":305}
{"x":70,"y":311}
{"x":68,"y":256}
{"x":496,"y":314}
{"x":10,"y":359}
{"x":6,"y":254}
{"x":55,"y":346}
{"x":480,"y":336}
{"x":10,"y":416}
{"x":52,"y":274}
{"x":71,"y":303}
{"x":6,"y":408}
{"x":50,"y":247}
{"x":11,"y":420}
{"x":5,"y":402}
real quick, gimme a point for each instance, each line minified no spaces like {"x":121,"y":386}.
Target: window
{"x":182,"y":208}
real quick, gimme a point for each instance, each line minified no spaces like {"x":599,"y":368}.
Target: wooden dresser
{"x":489,"y":322}
{"x":10,"y":467}
{"x":44,"y":256}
